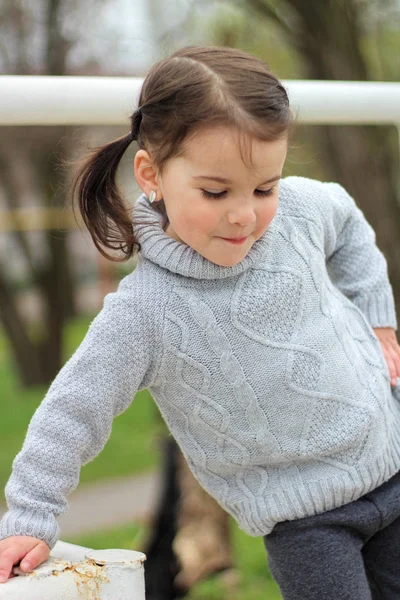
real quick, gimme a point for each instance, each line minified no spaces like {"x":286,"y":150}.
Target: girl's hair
{"x":197,"y":86}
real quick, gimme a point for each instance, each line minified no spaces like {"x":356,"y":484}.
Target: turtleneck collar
{"x":179,"y":258}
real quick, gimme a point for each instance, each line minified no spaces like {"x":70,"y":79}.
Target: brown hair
{"x":196,"y":86}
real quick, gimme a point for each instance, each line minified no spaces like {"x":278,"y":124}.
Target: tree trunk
{"x":52,"y":279}
{"x":55,"y":279}
{"x":24,"y":351}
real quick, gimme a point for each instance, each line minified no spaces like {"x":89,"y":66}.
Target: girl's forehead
{"x":217,"y":147}
{"x":215,"y":137}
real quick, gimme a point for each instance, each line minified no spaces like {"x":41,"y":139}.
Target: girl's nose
{"x":242,"y":215}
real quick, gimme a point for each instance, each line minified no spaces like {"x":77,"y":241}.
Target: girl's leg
{"x":317,"y":562}
{"x":382,"y":562}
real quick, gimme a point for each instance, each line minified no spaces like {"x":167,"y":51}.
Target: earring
{"x":152,"y":196}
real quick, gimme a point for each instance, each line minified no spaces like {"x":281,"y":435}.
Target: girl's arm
{"x":358,"y":268}
{"x":355,"y":264}
{"x":74,"y":421}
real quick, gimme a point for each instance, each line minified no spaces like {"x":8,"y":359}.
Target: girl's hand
{"x":29,"y":550}
{"x":391,"y":351}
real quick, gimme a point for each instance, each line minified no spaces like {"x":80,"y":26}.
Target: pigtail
{"x":99,"y":199}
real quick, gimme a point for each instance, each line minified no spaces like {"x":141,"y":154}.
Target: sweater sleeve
{"x":73,"y":423}
{"x":355,"y":265}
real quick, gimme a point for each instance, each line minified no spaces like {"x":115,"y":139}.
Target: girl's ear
{"x":145,"y":172}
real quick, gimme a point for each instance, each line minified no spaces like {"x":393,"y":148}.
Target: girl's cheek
{"x":271,"y":211}
{"x":203,"y":219}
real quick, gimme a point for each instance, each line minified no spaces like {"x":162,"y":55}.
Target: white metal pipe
{"x":346,"y":102}
{"x":73,"y":573}
{"x":38,"y":100}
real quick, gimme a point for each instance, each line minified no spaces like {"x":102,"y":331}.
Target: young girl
{"x":261,"y":318}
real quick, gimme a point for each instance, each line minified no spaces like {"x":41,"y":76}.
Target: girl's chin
{"x":228,"y":261}
{"x":229,"y":255}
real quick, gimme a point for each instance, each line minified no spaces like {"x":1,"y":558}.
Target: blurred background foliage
{"x":51,"y":279}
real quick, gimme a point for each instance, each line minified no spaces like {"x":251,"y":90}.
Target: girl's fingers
{"x":35,"y":557}
{"x":391,"y":365}
{"x":30,"y":551}
{"x":396,"y":361}
{"x":394,"y":358}
{"x":8,"y":559}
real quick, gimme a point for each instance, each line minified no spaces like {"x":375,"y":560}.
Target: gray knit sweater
{"x":267,"y":373}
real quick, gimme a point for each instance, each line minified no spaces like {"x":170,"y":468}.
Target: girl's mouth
{"x":235,"y":240}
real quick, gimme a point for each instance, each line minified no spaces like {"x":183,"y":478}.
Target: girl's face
{"x":214,"y":202}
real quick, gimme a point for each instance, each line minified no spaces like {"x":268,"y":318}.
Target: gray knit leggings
{"x":349,"y":553}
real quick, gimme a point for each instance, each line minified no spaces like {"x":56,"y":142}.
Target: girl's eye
{"x":264,"y":192}
{"x":261,"y":193}
{"x":207,"y":194}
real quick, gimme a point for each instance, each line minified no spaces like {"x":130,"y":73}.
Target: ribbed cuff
{"x":378,"y":309}
{"x":30,"y":522}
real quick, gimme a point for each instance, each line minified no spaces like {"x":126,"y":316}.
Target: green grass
{"x":252,"y":579}
{"x":134,"y":434}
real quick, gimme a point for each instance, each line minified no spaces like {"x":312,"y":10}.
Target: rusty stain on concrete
{"x":88,"y":576}
{"x":89,"y":580}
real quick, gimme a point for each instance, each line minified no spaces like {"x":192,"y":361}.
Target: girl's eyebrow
{"x":222,"y":180}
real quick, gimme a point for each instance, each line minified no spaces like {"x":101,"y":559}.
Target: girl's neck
{"x":157,"y":246}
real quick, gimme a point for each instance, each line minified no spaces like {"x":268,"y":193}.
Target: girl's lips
{"x":235,"y":240}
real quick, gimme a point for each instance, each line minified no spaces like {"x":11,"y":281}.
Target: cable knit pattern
{"x":268,"y":373}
